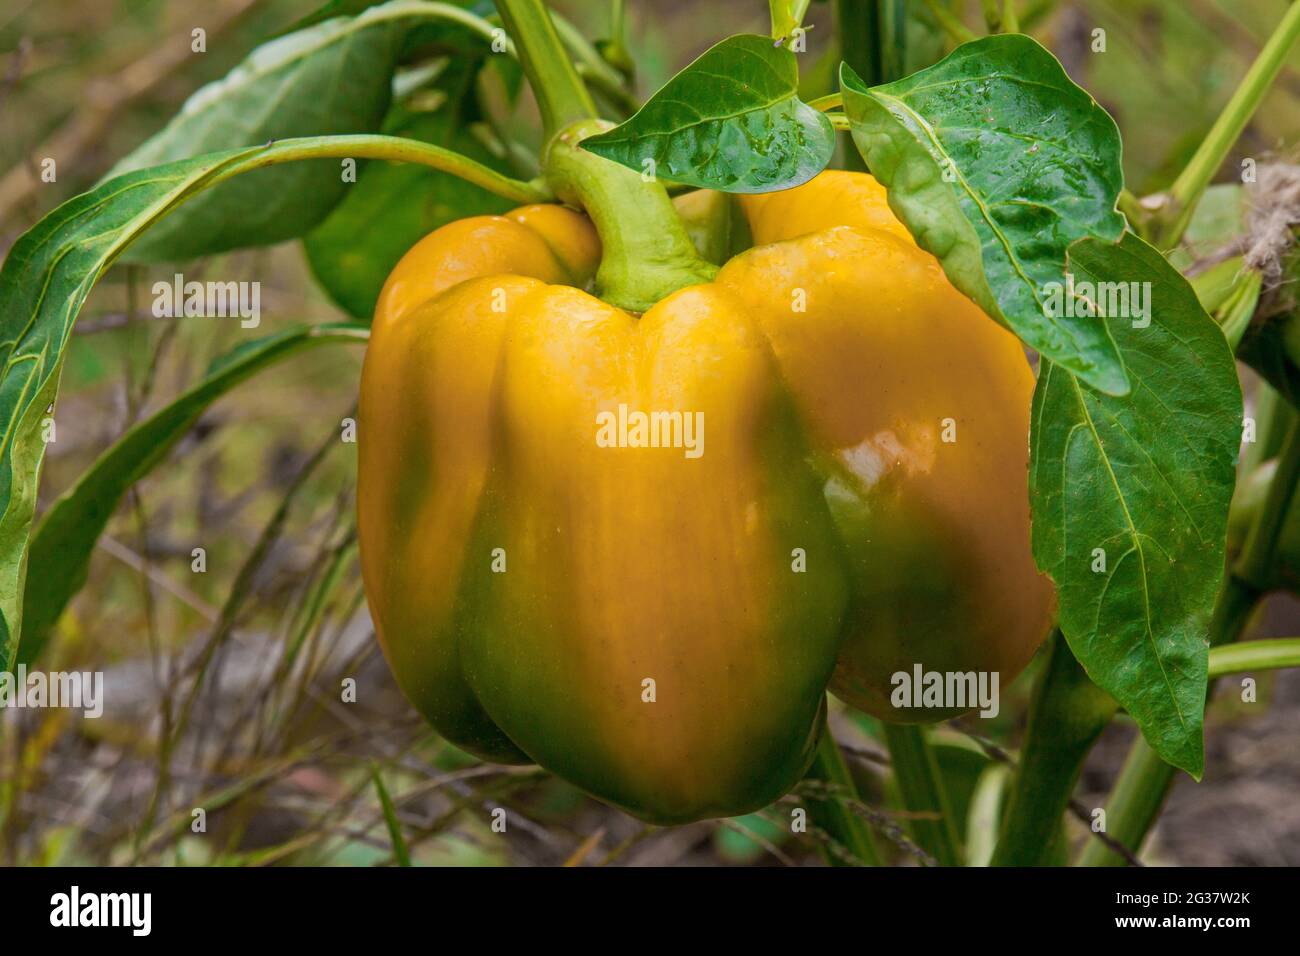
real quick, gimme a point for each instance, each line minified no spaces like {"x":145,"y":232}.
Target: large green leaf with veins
{"x":1130,"y":496}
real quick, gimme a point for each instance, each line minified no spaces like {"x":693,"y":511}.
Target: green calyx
{"x":646,"y":251}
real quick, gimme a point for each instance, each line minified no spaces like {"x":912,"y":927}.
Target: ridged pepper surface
{"x":659,"y":625}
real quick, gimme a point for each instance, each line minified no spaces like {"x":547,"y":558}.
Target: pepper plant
{"x":997,"y":185}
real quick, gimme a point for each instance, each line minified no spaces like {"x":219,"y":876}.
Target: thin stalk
{"x":593,"y":68}
{"x":873,"y":36}
{"x":1191,"y":183}
{"x":393,"y":148}
{"x":832,"y":815}
{"x":985,"y":812}
{"x":1255,"y":566}
{"x":787,"y":16}
{"x":1066,"y":716}
{"x":561,"y":96}
{"x":957,"y":31}
{"x":893,"y":38}
{"x":857,"y":23}
{"x":1274,"y":416}
{"x":615,"y":49}
{"x":1255,"y":656}
{"x":923,"y":793}
{"x":1010,"y":19}
{"x":1235,"y":314}
{"x":992,"y":10}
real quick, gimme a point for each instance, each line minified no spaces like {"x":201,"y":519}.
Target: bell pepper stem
{"x":832,"y":815}
{"x":1067,"y":714}
{"x":646,"y":253}
{"x":561,"y":96}
{"x":921,"y":787}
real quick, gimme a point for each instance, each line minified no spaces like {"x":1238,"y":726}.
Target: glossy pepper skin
{"x":528,"y":584}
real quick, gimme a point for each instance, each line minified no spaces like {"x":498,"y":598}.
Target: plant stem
{"x":957,"y":31}
{"x":857,"y":23}
{"x":593,"y":68}
{"x":1144,"y":781}
{"x":1255,"y":566}
{"x":787,"y":16}
{"x":923,"y":793}
{"x":1273,"y":418}
{"x":397,"y":149}
{"x":1010,"y":21}
{"x":1067,"y":714}
{"x":560,"y":94}
{"x":873,"y":36}
{"x":646,"y":253}
{"x":1191,"y":183}
{"x":985,"y":812}
{"x":992,"y":15}
{"x":1255,"y":655}
{"x":832,"y":815}
{"x":615,"y":49}
{"x":1235,"y":314}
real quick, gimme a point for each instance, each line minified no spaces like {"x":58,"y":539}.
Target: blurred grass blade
{"x":59,"y":555}
{"x":400,"y":849}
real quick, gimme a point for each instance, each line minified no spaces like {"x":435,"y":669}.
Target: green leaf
{"x":52,"y":268}
{"x":1146,"y":479}
{"x":390,"y":208}
{"x":59,"y":555}
{"x":332,"y":77}
{"x":44,"y":282}
{"x":731,"y":120}
{"x":996,"y":162}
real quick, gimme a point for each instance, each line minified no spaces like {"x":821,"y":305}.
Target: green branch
{"x":923,"y":793}
{"x":396,"y":149}
{"x":561,"y":96}
{"x":1255,"y":656}
{"x":1067,"y":714}
{"x":832,"y":815}
{"x":957,"y":31}
{"x":1191,"y":184}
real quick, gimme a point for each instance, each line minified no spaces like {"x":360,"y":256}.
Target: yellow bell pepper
{"x":637,"y":549}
